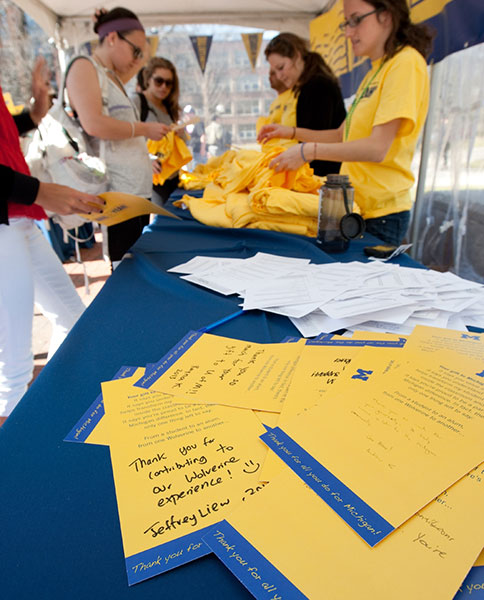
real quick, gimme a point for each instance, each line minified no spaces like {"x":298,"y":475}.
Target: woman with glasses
{"x":158,"y":103}
{"x":97,"y":96}
{"x":377,"y":140}
{"x":316,"y":101}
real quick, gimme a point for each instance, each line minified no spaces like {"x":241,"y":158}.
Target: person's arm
{"x":373,"y":148}
{"x":85,"y":96}
{"x":24,"y":122}
{"x":28,"y":120}
{"x":17,"y":187}
{"x":301,"y":134}
{"x":24,"y":189}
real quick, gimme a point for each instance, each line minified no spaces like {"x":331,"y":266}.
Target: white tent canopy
{"x":70,"y":21}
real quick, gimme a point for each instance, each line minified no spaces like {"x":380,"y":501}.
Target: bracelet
{"x":293,"y":133}
{"x":302,"y":153}
{"x":314,"y":158}
{"x":132,"y":129}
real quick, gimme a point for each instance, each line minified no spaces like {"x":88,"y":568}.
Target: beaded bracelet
{"x":302,"y":153}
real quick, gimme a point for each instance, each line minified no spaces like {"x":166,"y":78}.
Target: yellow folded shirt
{"x":279,"y":201}
{"x":172,"y":153}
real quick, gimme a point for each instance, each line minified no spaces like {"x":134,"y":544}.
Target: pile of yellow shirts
{"x":172,"y":153}
{"x":242,"y":191}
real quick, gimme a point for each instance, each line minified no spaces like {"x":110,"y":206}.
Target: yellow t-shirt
{"x":281,"y":111}
{"x":400,"y":90}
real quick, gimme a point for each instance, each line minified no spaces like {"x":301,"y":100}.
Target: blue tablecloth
{"x":59,"y":528}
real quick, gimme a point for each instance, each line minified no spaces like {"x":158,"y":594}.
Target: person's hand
{"x":155,"y":131}
{"x":274,"y":130}
{"x":64,"y":200}
{"x":40,"y":90}
{"x":156,"y":166}
{"x":290,"y":160}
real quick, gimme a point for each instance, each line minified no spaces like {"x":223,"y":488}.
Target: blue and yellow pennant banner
{"x":201,"y":46}
{"x":457,"y":23}
{"x":252,"y":43}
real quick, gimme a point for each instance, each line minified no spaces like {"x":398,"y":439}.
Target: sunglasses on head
{"x":137,"y":52}
{"x":159,"y":81}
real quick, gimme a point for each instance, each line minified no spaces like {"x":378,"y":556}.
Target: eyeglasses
{"x":137,"y":52}
{"x":159,"y":81}
{"x":356,"y":20}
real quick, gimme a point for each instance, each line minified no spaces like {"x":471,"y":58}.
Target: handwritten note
{"x":178,"y":470}
{"x":387,"y":451}
{"x":219,"y":370}
{"x":284,"y":543}
{"x":316,"y":372}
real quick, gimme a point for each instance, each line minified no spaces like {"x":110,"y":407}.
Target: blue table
{"x":59,"y":530}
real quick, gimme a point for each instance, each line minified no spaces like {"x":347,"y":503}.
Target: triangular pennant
{"x":201,"y":46}
{"x":252,"y":43}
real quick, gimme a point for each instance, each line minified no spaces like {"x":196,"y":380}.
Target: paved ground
{"x":97,"y":270}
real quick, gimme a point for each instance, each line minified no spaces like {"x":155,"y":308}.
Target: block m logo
{"x":362,"y":374}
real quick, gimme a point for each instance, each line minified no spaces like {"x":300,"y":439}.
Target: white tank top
{"x":127,"y":161}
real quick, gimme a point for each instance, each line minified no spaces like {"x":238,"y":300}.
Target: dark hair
{"x":290,"y":45}
{"x":404,"y":32}
{"x":103,"y":16}
{"x":171,"y":102}
{"x":140,"y":79}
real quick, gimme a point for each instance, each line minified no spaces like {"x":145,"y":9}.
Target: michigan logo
{"x":362,"y":374}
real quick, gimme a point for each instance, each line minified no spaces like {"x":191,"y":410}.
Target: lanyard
{"x":358,"y":99}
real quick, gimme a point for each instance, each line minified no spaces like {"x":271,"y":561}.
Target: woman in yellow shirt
{"x":377,"y":140}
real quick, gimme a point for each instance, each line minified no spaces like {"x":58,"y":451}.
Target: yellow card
{"x":286,"y":544}
{"x":431,"y":339}
{"x":219,"y":370}
{"x":480,"y":560}
{"x":379,"y":456}
{"x":317,"y":370}
{"x":178,"y":470}
{"x":92,"y":428}
{"x":377,"y":336}
{"x":473,"y":585}
{"x":121,"y":207}
{"x":268,"y":419}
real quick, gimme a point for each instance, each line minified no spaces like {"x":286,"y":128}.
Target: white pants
{"x":29,"y":270}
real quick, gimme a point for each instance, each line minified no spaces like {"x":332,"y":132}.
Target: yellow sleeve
{"x":404,"y":92}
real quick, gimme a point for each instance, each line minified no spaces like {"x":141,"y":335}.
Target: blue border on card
{"x":473,"y":585}
{"x":165,"y":557}
{"x":363,"y":519}
{"x":263,"y":580}
{"x":349,"y":342}
{"x":166,"y":361}
{"x":89,"y":420}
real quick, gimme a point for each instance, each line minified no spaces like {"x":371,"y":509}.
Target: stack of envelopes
{"x":376,"y":296}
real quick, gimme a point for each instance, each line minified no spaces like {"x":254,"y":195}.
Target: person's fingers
{"x":96,"y":204}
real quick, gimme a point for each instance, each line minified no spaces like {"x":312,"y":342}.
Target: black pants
{"x":161,"y":193}
{"x":123,"y":235}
